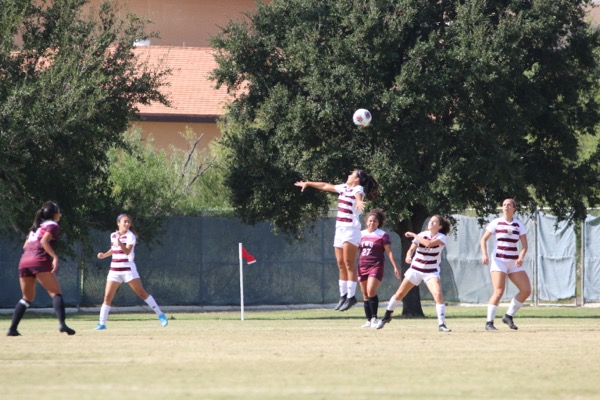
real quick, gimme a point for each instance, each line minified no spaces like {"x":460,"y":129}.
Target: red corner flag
{"x":248,"y":257}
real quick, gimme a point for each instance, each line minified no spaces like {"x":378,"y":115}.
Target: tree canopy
{"x":472,"y":101}
{"x":69,"y":87}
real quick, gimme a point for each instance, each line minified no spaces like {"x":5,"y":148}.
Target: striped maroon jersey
{"x":119,"y":258}
{"x":429,"y":257}
{"x":507,"y":235}
{"x":347,"y":213}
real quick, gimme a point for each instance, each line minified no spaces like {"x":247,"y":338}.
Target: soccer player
{"x":123,"y":269}
{"x":39,"y":262}
{"x":427,"y":249}
{"x":358,"y":186}
{"x":374,"y":244}
{"x":506,"y":260}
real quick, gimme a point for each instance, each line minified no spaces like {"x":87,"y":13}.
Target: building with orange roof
{"x":185,"y":28}
{"x":195,"y":103}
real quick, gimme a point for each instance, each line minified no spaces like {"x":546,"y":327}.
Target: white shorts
{"x":123,"y":276}
{"x":416,"y":277}
{"x":346,"y":234}
{"x":504,"y":265}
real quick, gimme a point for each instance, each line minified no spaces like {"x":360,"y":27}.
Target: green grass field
{"x":304,"y":354}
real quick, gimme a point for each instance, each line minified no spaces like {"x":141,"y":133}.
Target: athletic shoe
{"x":348,"y":303}
{"x":367,"y":324}
{"x":443,"y":328}
{"x":374,"y":322}
{"x":163,"y":320}
{"x":100,"y":327}
{"x":508,"y":320}
{"x":67,"y":330}
{"x":489,"y":326}
{"x":13,"y":332}
{"x":341,"y":302}
{"x":383,"y":321}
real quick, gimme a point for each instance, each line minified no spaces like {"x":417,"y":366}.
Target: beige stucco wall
{"x":186,"y":22}
{"x":166,"y":134}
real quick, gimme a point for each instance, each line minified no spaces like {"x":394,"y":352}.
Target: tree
{"x":472,"y":101}
{"x":152,"y":184}
{"x":69,"y":87}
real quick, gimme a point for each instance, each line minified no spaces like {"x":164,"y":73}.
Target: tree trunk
{"x":411,"y":304}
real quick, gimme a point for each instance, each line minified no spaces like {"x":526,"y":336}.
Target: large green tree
{"x":69,"y":86}
{"x":472,"y":101}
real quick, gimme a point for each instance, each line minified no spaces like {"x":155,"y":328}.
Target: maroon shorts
{"x":364,"y":272}
{"x":33,"y":271}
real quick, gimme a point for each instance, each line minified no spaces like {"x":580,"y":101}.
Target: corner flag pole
{"x":241,"y":283}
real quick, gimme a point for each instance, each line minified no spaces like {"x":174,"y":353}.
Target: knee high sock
{"x":491,"y":312}
{"x":368,"y":312}
{"x":59,"y":308}
{"x":392,"y":304}
{"x":20,"y":309}
{"x":342,"y":287}
{"x":515,"y":305}
{"x":441,"y":313}
{"x":153,"y":305}
{"x":374,"y":305}
{"x":351,"y":288}
{"x":104,"y":310}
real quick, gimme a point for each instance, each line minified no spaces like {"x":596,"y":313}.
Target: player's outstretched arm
{"x":328,"y":187}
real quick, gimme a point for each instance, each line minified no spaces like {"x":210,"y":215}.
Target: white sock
{"x":392,"y":304}
{"x":104,"y":310}
{"x":351,"y":288}
{"x":441,"y":313}
{"x":491,"y":312}
{"x":515,"y":305}
{"x":152,"y":303}
{"x":343,"y":288}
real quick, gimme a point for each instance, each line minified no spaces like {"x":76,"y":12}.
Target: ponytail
{"x":47,"y":212}
{"x":369,"y":184}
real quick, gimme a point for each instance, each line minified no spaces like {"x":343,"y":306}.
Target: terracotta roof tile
{"x":191,"y":92}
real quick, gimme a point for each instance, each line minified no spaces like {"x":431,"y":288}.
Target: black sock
{"x":367,"y":310}
{"x":20,"y":309}
{"x":388,"y":314}
{"x":374,"y":305}
{"x":59,"y":308}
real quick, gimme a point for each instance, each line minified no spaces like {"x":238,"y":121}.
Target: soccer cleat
{"x":163,"y":320}
{"x":489,"y":326}
{"x":341,"y":302}
{"x":374,"y":322}
{"x":386,"y":319}
{"x":508,"y":320}
{"x":367,"y":324}
{"x":13,"y":332}
{"x":67,"y":330}
{"x":348,"y":303}
{"x":100,"y":327}
{"x":443,"y":328}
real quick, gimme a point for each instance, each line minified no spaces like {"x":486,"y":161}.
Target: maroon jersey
{"x":372,"y":248}
{"x":34,"y":254}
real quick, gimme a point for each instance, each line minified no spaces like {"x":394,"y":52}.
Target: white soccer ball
{"x":362,"y":117}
